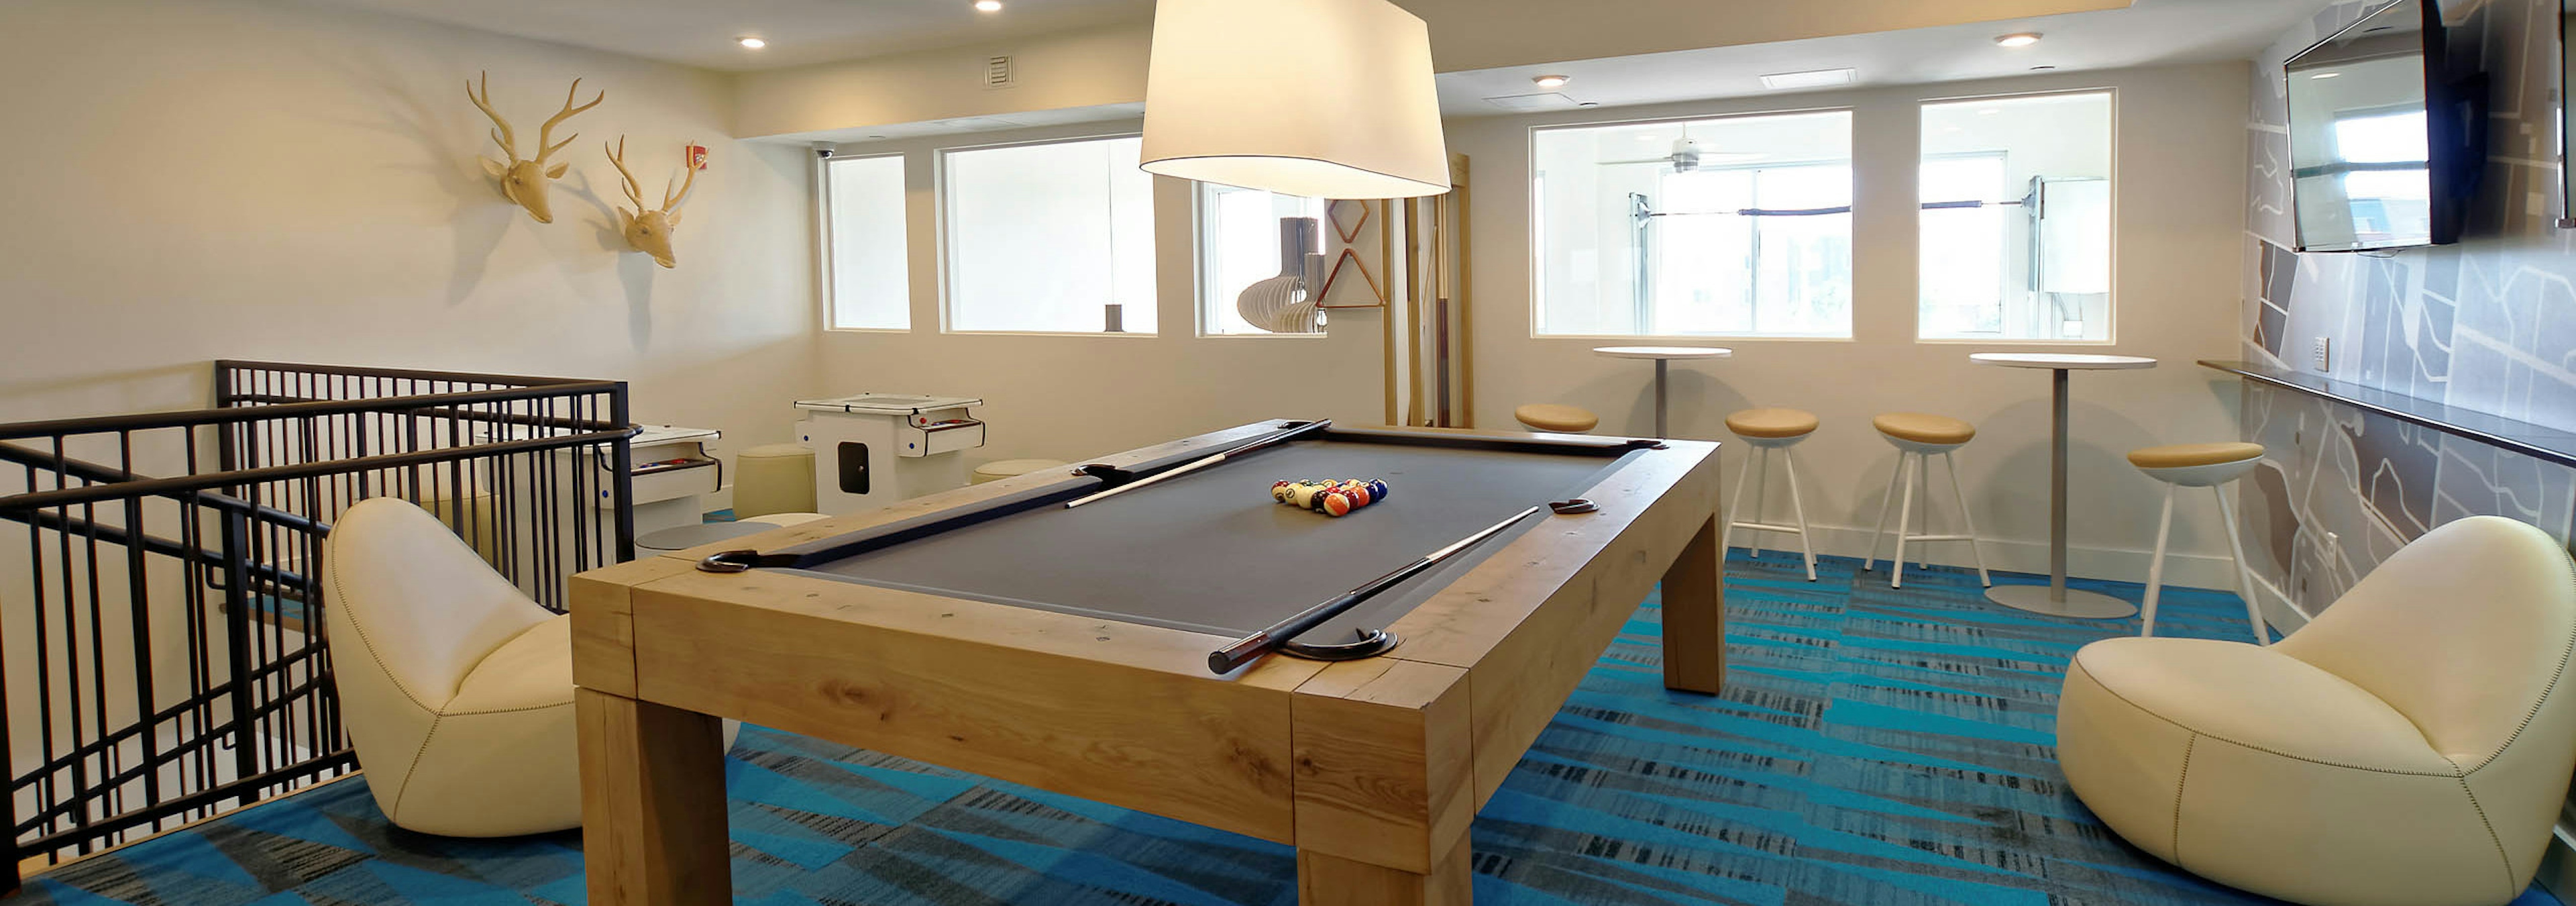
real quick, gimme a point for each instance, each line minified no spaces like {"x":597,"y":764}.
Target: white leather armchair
{"x":455,"y":688}
{"x":2409,"y":747}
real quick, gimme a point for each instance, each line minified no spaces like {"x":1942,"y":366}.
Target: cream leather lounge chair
{"x":2410,"y":746}
{"x":456,"y":689}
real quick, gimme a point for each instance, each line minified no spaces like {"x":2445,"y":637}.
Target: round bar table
{"x":2056,"y":599}
{"x":1663,"y":356}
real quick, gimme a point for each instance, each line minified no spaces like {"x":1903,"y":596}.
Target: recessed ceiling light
{"x":750,"y":43}
{"x":2018,"y":39}
{"x":988,"y":6}
{"x":1550,"y":81}
{"x":1813,"y":78}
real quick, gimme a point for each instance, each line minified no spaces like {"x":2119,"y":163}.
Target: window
{"x":2016,"y":222}
{"x":1738,"y":226}
{"x":1240,"y":244}
{"x":1052,"y":238}
{"x":871,"y":282}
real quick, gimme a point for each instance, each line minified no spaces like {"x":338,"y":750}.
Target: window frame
{"x":1201,"y":277}
{"x":2111,"y":144}
{"x":1534,"y":259}
{"x":829,"y":270}
{"x":942,"y":222}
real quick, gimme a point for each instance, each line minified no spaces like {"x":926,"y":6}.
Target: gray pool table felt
{"x":1210,"y":551}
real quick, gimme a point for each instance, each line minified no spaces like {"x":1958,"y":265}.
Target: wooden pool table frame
{"x":1371,"y":768}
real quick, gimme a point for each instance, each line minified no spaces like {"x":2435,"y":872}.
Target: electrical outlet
{"x":2322,"y":354}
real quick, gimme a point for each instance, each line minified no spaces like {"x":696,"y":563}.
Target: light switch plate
{"x":2322,"y":354}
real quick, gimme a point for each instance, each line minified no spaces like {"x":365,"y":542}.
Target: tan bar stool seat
{"x":773,"y":478}
{"x":1013,"y":468}
{"x":1918,"y":437}
{"x":1767,"y":430}
{"x":2210,"y":466}
{"x":1922,"y":428}
{"x":1558,"y":418}
{"x":1771,"y":424}
{"x":2186,"y":455}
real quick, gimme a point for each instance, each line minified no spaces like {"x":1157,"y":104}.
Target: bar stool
{"x":1771,"y":430}
{"x":1557,"y":418}
{"x":1918,"y":437}
{"x":2209,"y":466}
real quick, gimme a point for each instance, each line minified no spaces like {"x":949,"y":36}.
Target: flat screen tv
{"x":2387,"y":138}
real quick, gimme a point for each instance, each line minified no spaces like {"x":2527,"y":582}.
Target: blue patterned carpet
{"x":1872,"y":747}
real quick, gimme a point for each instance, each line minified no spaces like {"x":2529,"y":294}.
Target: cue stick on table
{"x":1264,"y":443}
{"x":1245,"y":649}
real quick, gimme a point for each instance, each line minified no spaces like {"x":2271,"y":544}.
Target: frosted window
{"x":1738,"y":226}
{"x":1239,"y":246}
{"x":2016,"y":222}
{"x":871,"y":279}
{"x":1046,"y":238}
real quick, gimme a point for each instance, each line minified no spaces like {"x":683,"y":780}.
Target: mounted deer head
{"x":649,"y":231}
{"x":525,"y":181}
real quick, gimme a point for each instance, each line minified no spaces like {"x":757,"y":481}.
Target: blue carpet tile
{"x":1873,"y":746}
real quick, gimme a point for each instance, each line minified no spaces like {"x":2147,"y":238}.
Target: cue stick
{"x":1254,"y":645}
{"x":1195,"y":465}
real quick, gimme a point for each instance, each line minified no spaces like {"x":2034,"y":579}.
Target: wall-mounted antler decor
{"x":525,"y":181}
{"x":649,"y":231}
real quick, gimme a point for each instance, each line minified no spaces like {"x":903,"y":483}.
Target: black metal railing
{"x":162,"y":631}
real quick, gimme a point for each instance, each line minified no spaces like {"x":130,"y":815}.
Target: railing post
{"x":237,"y":606}
{"x":622,"y":474}
{"x":9,"y":852}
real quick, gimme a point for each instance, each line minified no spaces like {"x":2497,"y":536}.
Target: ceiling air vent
{"x":1523,"y":103}
{"x":997,"y":72}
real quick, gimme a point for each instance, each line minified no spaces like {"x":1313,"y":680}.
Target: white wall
{"x":198,"y":179}
{"x":1068,"y":396}
{"x":2179,"y":200}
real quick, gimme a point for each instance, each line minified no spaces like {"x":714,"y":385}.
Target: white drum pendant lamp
{"x":1315,"y":98}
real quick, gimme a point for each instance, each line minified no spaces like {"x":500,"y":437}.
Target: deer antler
{"x":546,"y":133}
{"x":689,"y":165}
{"x":625,"y":179}
{"x":509,"y":143}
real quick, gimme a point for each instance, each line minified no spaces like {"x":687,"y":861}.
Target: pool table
{"x":995,"y":630}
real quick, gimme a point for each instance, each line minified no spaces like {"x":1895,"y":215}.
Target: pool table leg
{"x":1324,"y":880}
{"x":652,"y":803}
{"x":1695,"y":615}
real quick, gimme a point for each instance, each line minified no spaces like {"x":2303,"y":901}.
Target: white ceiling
{"x":2150,"y":32}
{"x":1466,"y":33}
{"x":702,"y":32}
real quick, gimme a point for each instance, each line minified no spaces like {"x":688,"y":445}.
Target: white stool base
{"x":2214,"y":477}
{"x":1763,"y":447}
{"x":2083,"y":605}
{"x":1912,"y":478}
